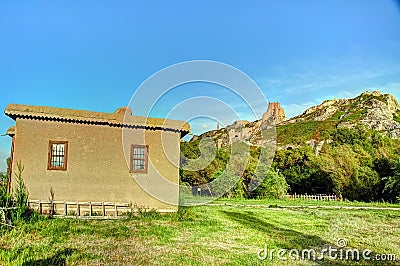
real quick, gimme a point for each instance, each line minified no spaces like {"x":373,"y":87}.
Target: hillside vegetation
{"x":349,"y":147}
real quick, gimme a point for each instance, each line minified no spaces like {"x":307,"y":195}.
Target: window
{"x":139,"y":158}
{"x":58,"y":153}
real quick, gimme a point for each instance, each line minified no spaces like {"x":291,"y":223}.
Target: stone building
{"x":93,"y":156}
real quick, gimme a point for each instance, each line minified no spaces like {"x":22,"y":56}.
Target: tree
{"x":273,"y":186}
{"x":5,"y":197}
{"x":3,"y":179}
{"x":363,"y":185}
{"x":392,"y":184}
{"x":21,"y":195}
{"x":295,"y":165}
{"x":340,"y":164}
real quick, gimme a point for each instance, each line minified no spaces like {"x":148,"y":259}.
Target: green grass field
{"x":303,"y":203}
{"x":205,"y":235}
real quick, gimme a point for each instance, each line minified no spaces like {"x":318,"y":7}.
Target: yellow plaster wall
{"x":96,"y":169}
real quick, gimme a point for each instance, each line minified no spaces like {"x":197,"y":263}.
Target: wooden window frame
{"x":146,"y":159}
{"x":50,"y":155}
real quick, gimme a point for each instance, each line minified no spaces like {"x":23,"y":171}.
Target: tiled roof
{"x":120,"y":118}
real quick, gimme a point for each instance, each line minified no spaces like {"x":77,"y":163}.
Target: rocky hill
{"x":248,"y":132}
{"x":375,"y":110}
{"x":337,"y":147}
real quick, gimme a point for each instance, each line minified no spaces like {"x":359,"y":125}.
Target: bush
{"x":18,"y":199}
{"x":5,"y":198}
{"x":227,"y":184}
{"x":273,"y":186}
{"x":21,"y":196}
{"x":3,"y":179}
{"x":392,"y":183}
{"x":185,"y":214}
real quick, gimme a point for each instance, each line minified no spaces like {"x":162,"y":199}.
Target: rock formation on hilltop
{"x":241,"y":130}
{"x":249,"y":132}
{"x":276,"y":111}
{"x":373,"y":109}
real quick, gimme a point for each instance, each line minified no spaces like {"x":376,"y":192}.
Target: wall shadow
{"x":289,"y":239}
{"x":59,"y":259}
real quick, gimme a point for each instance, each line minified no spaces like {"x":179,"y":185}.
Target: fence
{"x":314,"y":197}
{"x":107,"y":210}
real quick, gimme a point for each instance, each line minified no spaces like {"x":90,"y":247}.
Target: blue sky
{"x":94,"y":54}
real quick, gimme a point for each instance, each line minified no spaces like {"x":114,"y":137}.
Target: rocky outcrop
{"x":275,"y":111}
{"x":258,"y":133}
{"x":241,"y":130}
{"x":375,"y":110}
{"x":372,"y":109}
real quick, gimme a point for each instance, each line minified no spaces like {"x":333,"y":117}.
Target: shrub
{"x":392,"y":183}
{"x":273,"y":186}
{"x":21,"y":195}
{"x":138,"y":212}
{"x":185,"y":214}
{"x":5,"y":198}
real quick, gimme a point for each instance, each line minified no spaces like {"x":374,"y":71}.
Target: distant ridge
{"x":373,"y":109}
{"x":377,"y":111}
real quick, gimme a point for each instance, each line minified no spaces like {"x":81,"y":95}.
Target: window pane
{"x":138,"y":165}
{"x":138,"y":153}
{"x":57,"y":156}
{"x":139,"y":158}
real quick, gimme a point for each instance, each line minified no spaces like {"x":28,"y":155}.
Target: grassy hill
{"x":349,"y":147}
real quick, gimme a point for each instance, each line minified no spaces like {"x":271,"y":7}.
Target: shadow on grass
{"x":284,"y":238}
{"x":59,"y":259}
